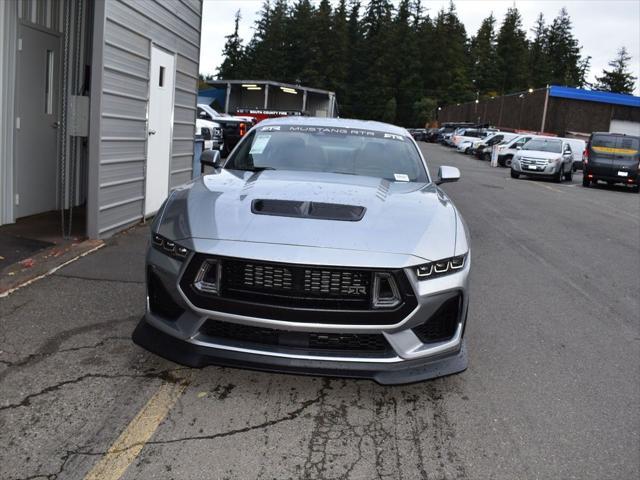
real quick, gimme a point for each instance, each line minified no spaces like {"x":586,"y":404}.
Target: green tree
{"x":539,"y":68}
{"x":512,"y":52}
{"x":424,"y":110}
{"x":618,"y":79}
{"x":484,"y":68}
{"x":404,"y":69}
{"x":233,"y":64}
{"x":566,"y":65}
{"x":302,"y":47}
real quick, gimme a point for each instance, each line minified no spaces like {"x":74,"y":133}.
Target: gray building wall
{"x":124,"y":31}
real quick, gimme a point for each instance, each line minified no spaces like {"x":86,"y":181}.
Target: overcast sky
{"x":601,"y":26}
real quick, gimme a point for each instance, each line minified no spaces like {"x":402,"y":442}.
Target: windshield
{"x":210,"y":111}
{"x":544,"y":145}
{"x":342,"y":150}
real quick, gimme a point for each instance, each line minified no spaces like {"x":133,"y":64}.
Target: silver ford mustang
{"x":322,"y":246}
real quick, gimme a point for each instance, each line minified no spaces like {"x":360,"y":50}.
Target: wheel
{"x":585,"y":181}
{"x":486,"y":156}
{"x":514,"y":174}
{"x":569,"y":175}
{"x":507,"y":161}
{"x":558,"y":176}
{"x":467,"y":150}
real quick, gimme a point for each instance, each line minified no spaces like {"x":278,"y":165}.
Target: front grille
{"x":533,"y":161}
{"x":296,"y":293}
{"x":320,"y":342}
{"x":442,"y":324}
{"x":302,"y":286}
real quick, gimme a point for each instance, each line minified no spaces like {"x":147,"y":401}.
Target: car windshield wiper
{"x":255,"y":169}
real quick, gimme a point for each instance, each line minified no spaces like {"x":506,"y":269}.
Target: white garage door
{"x":623,"y":126}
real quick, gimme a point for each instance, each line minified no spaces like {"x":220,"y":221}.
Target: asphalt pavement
{"x":552,"y":390}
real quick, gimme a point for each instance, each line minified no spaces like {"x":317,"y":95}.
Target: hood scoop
{"x":319,"y":211}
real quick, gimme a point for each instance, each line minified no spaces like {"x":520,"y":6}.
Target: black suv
{"x":613,"y":158}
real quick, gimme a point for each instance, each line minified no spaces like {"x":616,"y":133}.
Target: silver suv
{"x":546,"y":157}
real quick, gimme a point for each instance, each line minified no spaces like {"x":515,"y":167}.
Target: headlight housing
{"x":169,"y":247}
{"x":440,"y":267}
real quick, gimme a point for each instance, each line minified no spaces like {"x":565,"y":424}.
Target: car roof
{"x":335,"y":123}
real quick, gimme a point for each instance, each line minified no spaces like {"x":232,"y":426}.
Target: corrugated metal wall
{"x":130,"y":27}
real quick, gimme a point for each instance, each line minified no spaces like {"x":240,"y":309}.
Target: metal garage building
{"x":559,"y":110}
{"x":97,"y":106}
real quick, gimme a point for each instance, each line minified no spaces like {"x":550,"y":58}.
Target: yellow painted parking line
{"x":129,"y":444}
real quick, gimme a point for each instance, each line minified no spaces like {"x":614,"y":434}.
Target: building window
{"x":161,"y":77}
{"x":48,"y":84}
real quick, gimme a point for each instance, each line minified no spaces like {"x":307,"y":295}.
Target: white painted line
{"x":53,"y":270}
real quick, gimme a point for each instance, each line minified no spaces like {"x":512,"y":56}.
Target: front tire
{"x":557,"y":178}
{"x":514,"y":174}
{"x":486,"y":157}
{"x":507,"y":161}
{"x":568,"y":176}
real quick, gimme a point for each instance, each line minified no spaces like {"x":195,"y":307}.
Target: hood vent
{"x":320,"y":211}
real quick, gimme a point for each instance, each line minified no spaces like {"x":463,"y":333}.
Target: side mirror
{"x":447,"y":175}
{"x":518,"y":148}
{"x":203,"y":115}
{"x":210,"y":158}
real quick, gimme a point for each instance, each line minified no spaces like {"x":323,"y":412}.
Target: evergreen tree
{"x":539,"y":68}
{"x":566,"y":66}
{"x":233,"y":64}
{"x":302,"y":45}
{"x":374,"y":86}
{"x":512,"y":52}
{"x":484,"y":68}
{"x":619,"y":79}
{"x":405,"y":69}
{"x":338,"y":51}
{"x":350,"y":102}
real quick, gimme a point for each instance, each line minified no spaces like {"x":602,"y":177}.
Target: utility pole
{"x":544,"y":110}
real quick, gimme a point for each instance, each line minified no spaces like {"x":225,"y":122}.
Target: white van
{"x":507,"y":150}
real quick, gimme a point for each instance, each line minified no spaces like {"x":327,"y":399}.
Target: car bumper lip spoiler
{"x":193,"y":355}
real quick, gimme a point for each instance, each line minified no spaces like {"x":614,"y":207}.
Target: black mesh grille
{"x":442,"y":324}
{"x":160,"y":302}
{"x":373,"y":343}
{"x":296,"y":285}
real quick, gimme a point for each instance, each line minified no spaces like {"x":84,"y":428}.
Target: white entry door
{"x":162,"y":77}
{"x":37,"y":122}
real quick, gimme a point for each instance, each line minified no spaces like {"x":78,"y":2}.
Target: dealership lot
{"x":551,"y":391}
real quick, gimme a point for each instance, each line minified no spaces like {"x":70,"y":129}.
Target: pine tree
{"x":373,"y":86}
{"x":233,"y":64}
{"x":619,"y":79}
{"x":301,"y":46}
{"x":566,"y":65}
{"x":512,"y":50}
{"x":338,"y":51}
{"x":539,"y":68}
{"x":484,"y":68}
{"x":405,"y":69}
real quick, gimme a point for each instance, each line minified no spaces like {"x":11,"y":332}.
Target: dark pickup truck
{"x":233,"y":128}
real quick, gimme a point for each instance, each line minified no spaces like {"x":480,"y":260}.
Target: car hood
{"x":399,"y":217}
{"x":538,"y":154}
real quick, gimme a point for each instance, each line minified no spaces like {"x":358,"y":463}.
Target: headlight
{"x":440,"y":267}
{"x":168,"y":247}
{"x":554,"y":160}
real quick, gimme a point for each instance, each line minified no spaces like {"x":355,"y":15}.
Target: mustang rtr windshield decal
{"x":332,"y":131}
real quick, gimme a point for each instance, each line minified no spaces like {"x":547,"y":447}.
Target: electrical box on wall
{"x":78,"y":116}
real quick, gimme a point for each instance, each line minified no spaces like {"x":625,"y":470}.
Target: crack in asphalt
{"x":165,"y":375}
{"x":94,"y":279}
{"x":52,"y":346}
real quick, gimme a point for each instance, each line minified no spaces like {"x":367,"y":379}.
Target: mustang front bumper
{"x":185,"y":338}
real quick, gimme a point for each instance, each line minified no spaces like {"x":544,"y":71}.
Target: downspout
{"x":226,"y":100}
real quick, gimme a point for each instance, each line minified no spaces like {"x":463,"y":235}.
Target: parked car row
{"x":609,"y":157}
